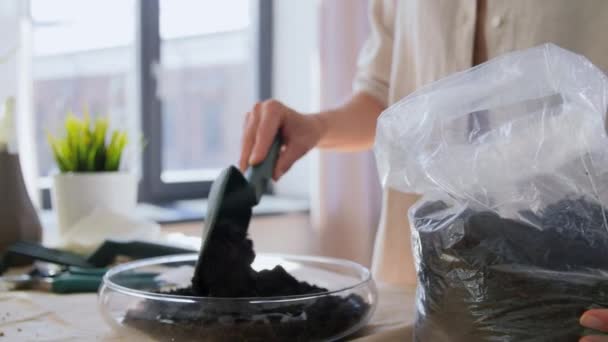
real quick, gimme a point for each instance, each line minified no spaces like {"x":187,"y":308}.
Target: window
{"x":205,"y":82}
{"x":181,"y":74}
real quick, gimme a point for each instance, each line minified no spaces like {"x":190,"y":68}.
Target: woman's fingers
{"x":596,"y":319}
{"x":249,"y":133}
{"x":270,"y":121}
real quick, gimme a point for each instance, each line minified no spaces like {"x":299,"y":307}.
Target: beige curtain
{"x":346,"y":197}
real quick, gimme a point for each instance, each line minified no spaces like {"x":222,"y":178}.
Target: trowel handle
{"x":259,"y":175}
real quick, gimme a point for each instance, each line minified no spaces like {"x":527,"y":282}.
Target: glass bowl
{"x":130,"y":302}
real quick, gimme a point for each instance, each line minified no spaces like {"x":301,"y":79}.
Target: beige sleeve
{"x":375,"y":58}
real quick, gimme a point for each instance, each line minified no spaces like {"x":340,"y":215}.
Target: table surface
{"x":38,"y":316}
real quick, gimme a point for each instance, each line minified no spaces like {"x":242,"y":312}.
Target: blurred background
{"x":180,"y":75}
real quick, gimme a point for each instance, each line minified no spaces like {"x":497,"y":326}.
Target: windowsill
{"x":195,"y":210}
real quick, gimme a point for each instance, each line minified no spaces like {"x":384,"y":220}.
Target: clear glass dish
{"x":130,"y":302}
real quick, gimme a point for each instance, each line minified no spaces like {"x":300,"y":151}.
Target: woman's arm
{"x":351,"y":127}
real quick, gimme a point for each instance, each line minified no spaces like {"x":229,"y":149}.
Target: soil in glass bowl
{"x":227,"y":273}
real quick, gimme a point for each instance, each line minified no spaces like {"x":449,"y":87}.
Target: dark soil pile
{"x":226,"y":269}
{"x":316,"y":321}
{"x":227,"y":273}
{"x":487,"y":278}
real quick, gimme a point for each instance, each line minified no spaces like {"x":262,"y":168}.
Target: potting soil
{"x":483,"y":277}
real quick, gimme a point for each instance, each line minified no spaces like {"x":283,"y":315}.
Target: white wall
{"x":295,"y":75}
{"x":15,"y":80}
{"x":9,"y":28}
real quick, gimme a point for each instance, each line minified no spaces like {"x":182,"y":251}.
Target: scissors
{"x":73,"y":280}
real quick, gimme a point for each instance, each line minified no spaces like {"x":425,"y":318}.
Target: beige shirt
{"x":415,"y":42}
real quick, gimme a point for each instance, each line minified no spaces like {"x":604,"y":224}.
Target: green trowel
{"x":233,"y":195}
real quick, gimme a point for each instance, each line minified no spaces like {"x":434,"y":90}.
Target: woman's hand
{"x":596,"y":319}
{"x":300,"y":134}
{"x":349,"y":127}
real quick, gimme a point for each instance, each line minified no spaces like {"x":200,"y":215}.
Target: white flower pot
{"x":76,"y":195}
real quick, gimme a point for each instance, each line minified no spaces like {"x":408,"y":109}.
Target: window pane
{"x":83,"y":58}
{"x":205,"y":82}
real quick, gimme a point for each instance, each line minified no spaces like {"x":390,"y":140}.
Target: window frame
{"x":152,"y":189}
{"x":147,"y":47}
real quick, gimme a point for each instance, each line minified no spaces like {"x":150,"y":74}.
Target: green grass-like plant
{"x":84,"y":147}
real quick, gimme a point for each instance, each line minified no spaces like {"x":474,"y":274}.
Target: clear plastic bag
{"x":511,"y":236}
